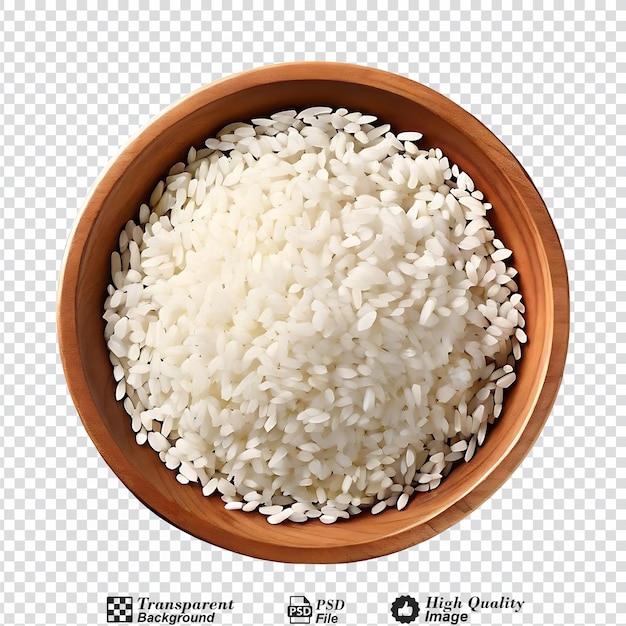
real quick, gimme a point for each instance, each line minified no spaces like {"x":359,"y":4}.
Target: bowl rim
{"x":556,"y":275}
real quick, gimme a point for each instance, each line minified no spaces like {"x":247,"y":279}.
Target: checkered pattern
{"x":120,"y":610}
{"x":77,"y":82}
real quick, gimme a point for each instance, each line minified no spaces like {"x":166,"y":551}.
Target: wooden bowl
{"x":519,"y":217}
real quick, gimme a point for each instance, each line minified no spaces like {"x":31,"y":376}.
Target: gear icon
{"x":405,"y":609}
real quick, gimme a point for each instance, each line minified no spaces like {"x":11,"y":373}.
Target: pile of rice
{"x":313,"y":317}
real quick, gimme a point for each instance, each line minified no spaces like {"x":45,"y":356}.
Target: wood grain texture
{"x":519,"y":217}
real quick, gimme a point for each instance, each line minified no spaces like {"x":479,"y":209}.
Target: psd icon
{"x":405,"y":609}
{"x":299,"y":610}
{"x":119,"y":609}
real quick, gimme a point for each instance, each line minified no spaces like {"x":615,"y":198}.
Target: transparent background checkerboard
{"x":77,"y":83}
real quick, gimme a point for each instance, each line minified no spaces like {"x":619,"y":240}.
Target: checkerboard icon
{"x":119,"y":609}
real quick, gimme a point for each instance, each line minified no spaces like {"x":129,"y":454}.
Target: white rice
{"x":313,"y":317}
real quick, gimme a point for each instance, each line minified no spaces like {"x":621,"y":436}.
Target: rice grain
{"x":312,"y":317}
